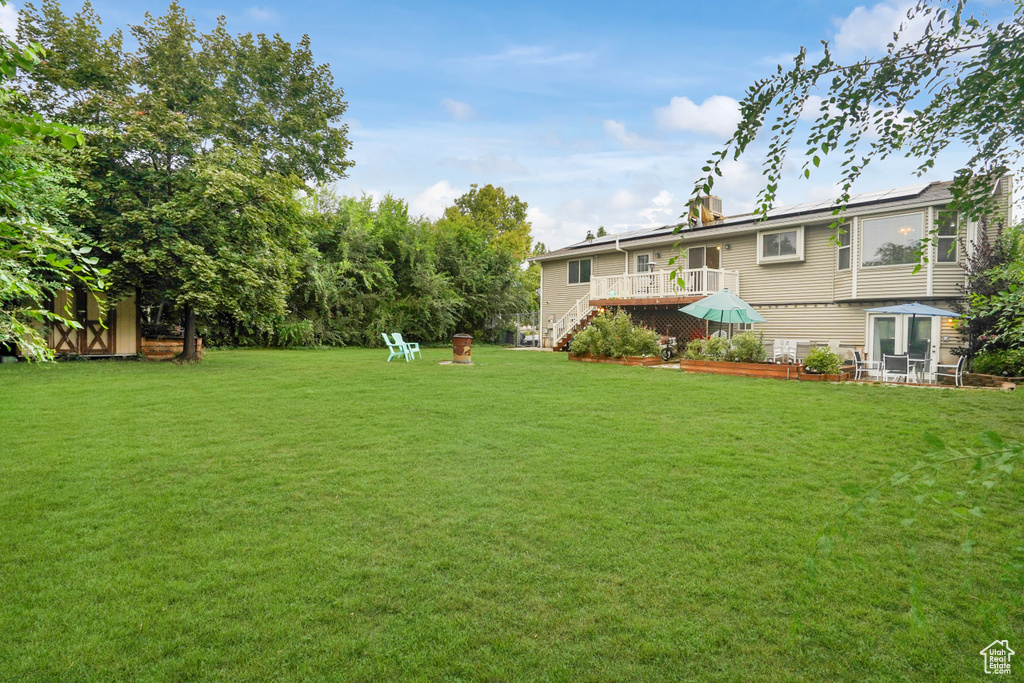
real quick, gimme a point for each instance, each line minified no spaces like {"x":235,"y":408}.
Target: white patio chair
{"x":865,"y":368}
{"x":896,"y":367}
{"x":956,"y":371}
{"x":783,"y":350}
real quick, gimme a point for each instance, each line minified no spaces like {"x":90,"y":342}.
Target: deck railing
{"x":695,"y":282}
{"x":568,"y":322}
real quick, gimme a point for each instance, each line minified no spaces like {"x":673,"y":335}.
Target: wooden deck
{"x":652,"y":301}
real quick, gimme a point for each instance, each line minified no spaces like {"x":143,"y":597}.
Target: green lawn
{"x":278,"y":515}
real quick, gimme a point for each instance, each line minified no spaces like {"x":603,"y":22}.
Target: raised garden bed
{"x":812,"y":377}
{"x":721,"y":367}
{"x":772,"y":370}
{"x":625,"y":360}
{"x":974,"y":379}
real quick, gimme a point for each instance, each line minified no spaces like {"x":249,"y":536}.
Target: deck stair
{"x":576,"y":319}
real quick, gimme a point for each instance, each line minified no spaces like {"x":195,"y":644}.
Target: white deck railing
{"x":567,"y":322}
{"x":695,"y":282}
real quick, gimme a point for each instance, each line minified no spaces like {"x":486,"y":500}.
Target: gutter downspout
{"x":625,"y":258}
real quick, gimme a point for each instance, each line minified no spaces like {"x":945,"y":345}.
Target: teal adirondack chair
{"x":413,"y":347}
{"x":396,"y":348}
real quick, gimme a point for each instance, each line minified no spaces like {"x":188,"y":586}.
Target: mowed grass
{"x":323,"y":515}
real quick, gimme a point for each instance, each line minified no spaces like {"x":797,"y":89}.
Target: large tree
{"x":200,"y":143}
{"x":40,"y":253}
{"x":948,"y":77}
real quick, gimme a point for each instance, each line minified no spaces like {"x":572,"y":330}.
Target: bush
{"x":748,"y":348}
{"x":1008,"y":362}
{"x":743,"y":348}
{"x":707,"y":348}
{"x":823,"y":361}
{"x":615,"y":336}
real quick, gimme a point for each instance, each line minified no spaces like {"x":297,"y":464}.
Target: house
{"x":809,"y":281}
{"x":112,"y":333}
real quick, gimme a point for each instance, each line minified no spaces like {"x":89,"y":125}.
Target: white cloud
{"x":460,"y":111}
{"x":538,"y":55}
{"x":622,"y":199}
{"x":617,"y":131}
{"x":264,"y":14}
{"x":717,"y":115}
{"x":8,"y":20}
{"x":434,"y":200}
{"x":488,"y":164}
{"x":661,"y":211}
{"x":867,"y":31}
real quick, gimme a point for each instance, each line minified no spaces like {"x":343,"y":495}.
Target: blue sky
{"x":593,"y":113}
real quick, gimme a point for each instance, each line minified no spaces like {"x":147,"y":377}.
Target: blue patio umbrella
{"x":723,"y":307}
{"x":914,"y":310}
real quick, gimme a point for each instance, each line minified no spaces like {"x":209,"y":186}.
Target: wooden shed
{"x":110,"y":333}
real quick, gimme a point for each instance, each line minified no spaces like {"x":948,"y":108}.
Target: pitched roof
{"x":912,"y":195}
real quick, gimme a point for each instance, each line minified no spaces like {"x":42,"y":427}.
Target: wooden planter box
{"x":721,"y":367}
{"x":625,"y":360}
{"x":974,"y":379}
{"x":810,"y":377}
{"x":166,"y":348}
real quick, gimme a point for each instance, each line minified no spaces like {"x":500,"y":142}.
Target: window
{"x":704,"y":257}
{"x":644,"y":263}
{"x":579,"y":271}
{"x":781,"y":245}
{"x":892,"y":240}
{"x":946,"y":240}
{"x":844,"y":248}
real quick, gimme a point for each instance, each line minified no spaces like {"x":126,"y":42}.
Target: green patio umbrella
{"x":723,"y":307}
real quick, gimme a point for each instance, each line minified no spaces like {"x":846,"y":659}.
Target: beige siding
{"x":947,"y":279}
{"x":660,"y":256}
{"x":558,"y":296}
{"x":846,"y":323}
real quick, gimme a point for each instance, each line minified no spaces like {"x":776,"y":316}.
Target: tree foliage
{"x":992,"y":307}
{"x":373,"y":268}
{"x":199,"y":145}
{"x":947,"y":77}
{"x":40,"y":253}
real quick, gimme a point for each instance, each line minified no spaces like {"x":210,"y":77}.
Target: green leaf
{"x":68,"y":141}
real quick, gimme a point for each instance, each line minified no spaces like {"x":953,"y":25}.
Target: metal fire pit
{"x":461,"y":350}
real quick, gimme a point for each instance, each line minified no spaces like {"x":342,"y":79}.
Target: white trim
{"x":847,"y":229}
{"x":650,"y":260}
{"x":579,"y":284}
{"x":933,"y":252}
{"x":902,"y":328}
{"x":540,"y":310}
{"x":798,"y":256}
{"x":855,"y":253}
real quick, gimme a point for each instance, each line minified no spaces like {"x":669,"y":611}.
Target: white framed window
{"x":844,"y":250}
{"x":891,"y":240}
{"x":704,"y":257}
{"x":644,"y":263}
{"x":946,"y":242}
{"x":579,"y":271}
{"x":779,"y":246}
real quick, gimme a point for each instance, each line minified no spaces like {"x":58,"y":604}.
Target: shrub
{"x":1009,"y":362}
{"x":823,"y":361}
{"x":615,"y":336}
{"x":748,"y":348}
{"x":707,"y":348}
